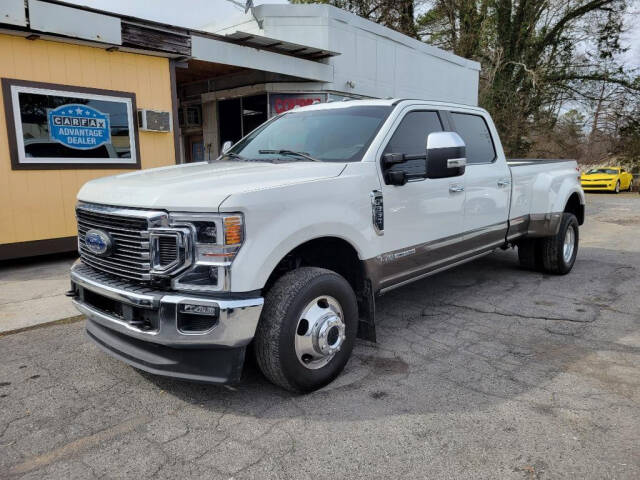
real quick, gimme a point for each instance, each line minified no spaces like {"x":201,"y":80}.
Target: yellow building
{"x":37,"y":205}
{"x":40,"y":172}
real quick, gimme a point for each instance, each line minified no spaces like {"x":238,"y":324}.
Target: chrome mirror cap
{"x":444,"y":140}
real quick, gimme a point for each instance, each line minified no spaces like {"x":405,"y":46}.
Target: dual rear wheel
{"x":555,"y":254}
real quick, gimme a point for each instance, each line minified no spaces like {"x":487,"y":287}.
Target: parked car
{"x":287,"y":239}
{"x":613,"y":179}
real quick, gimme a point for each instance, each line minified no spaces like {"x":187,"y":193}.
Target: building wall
{"x":372,"y":60}
{"x":39,"y":204}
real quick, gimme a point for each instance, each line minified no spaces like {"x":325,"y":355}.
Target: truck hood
{"x":200,"y":186}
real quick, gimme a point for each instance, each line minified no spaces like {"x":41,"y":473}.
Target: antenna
{"x":247,"y":6}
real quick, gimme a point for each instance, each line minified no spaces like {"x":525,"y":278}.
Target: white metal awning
{"x":211,"y":49}
{"x":258,"y":41}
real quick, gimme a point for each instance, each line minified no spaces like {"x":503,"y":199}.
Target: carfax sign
{"x":79,"y":126}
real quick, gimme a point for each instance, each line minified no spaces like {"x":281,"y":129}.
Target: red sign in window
{"x":285,"y":102}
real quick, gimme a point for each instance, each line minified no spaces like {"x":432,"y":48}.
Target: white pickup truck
{"x":284,"y":241}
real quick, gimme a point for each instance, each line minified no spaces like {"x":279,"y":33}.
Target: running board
{"x":433,"y":272}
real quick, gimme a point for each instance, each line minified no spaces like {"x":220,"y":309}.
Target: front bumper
{"x":144,"y":327}
{"x":602,"y":185}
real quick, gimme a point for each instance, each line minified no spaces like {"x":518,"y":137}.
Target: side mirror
{"x":391,"y":159}
{"x":397,"y":178}
{"x":226,"y":146}
{"x":446,"y":155}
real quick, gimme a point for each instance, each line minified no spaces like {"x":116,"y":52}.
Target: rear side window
{"x":474,"y":131}
{"x":410,"y":138}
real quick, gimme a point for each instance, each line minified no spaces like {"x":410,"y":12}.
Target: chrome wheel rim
{"x":569,"y":245}
{"x":618,"y":187}
{"x":320,"y":332}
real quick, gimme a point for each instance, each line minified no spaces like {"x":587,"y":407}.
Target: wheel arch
{"x":338,"y":255}
{"x":330,"y":252}
{"x":574,"y":205}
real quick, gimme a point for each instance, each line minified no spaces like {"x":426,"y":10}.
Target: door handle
{"x":455,"y":188}
{"x":504,"y":183}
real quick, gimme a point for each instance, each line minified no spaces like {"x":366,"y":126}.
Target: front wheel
{"x":617,"y":187}
{"x":559,"y":252}
{"x":307,"y":329}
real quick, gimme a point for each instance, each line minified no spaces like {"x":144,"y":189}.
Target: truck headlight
{"x":216,"y":242}
{"x":206,"y":232}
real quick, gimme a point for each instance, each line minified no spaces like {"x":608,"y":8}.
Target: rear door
{"x":424,"y":217}
{"x":487,"y":182}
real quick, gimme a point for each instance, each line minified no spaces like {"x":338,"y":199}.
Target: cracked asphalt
{"x":485,"y":371}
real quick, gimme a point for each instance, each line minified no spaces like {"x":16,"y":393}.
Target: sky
{"x":185,"y":13}
{"x":197,"y":13}
{"x":633,"y":34}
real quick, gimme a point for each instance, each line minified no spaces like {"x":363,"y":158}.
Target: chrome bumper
{"x":235,"y":327}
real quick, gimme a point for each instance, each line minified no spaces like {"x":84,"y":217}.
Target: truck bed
{"x":519,"y":162}
{"x":536,"y":184}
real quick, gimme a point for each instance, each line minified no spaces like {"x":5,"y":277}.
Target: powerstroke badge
{"x":79,"y":126}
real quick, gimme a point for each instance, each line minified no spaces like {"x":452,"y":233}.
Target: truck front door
{"x":424,"y":217}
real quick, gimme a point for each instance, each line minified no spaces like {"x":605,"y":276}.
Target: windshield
{"x":331,"y":135}
{"x":606,"y":171}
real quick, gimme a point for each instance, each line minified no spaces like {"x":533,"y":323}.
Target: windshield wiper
{"x":290,"y":152}
{"x":232,"y":155}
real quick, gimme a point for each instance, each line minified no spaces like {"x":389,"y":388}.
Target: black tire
{"x":530,"y":254}
{"x":552,"y":247}
{"x":617,"y":187}
{"x":630,"y":186}
{"x":284,"y":303}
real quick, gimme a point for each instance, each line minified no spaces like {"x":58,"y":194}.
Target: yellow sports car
{"x":612,"y":179}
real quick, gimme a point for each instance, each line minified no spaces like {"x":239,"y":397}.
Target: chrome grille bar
{"x":128,"y":230}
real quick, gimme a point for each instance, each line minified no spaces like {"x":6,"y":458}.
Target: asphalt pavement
{"x":485,"y":371}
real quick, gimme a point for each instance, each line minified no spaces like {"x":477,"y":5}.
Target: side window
{"x":410,"y":138}
{"x":474,"y":131}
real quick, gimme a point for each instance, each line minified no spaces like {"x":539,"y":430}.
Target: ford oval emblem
{"x":98,"y":242}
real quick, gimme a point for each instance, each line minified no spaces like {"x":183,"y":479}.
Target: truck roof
{"x":388,"y":102}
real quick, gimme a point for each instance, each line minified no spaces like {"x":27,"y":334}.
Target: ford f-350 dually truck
{"x":284,"y":241}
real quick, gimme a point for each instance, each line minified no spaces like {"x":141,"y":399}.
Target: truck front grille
{"x":167,"y":250}
{"x":129,"y":255}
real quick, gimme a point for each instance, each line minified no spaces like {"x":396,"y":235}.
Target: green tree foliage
{"x":537,"y":56}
